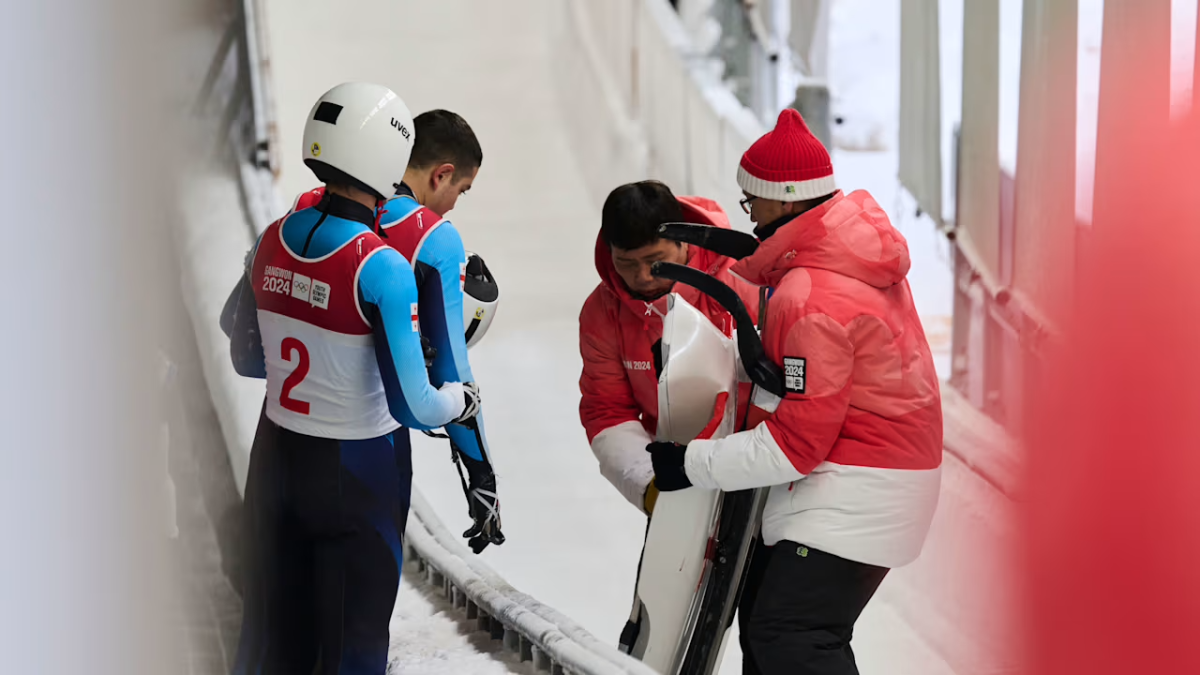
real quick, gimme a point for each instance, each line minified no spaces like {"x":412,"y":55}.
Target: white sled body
{"x":699,"y":364}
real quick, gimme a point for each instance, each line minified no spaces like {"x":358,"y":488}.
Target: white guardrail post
{"x":236,"y":93}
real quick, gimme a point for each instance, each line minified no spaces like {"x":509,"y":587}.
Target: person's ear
{"x":440,"y":175}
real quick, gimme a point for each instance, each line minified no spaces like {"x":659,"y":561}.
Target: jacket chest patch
{"x":795,"y":374}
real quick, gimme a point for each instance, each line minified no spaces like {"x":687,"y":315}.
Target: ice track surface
{"x":573,"y":542}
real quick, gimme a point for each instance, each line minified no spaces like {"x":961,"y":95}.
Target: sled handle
{"x":729,"y":243}
{"x":761,"y":370}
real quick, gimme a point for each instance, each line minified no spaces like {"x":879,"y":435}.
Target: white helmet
{"x":360,"y":134}
{"x":481,"y":297}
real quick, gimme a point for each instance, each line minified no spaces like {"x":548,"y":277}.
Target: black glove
{"x":429,"y":350}
{"x":482,"y":502}
{"x":668,"y":466}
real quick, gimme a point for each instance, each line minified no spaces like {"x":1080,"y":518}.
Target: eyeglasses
{"x":745,"y":203}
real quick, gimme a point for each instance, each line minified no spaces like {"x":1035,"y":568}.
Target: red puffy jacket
{"x":619,"y":408}
{"x":854,"y":449}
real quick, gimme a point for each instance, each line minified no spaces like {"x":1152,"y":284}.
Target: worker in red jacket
{"x":852,"y":453}
{"x":620,"y":327}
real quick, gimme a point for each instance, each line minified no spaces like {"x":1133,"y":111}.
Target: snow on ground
{"x":430,"y":637}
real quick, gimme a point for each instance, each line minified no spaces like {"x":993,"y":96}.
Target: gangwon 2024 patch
{"x":795,"y":374}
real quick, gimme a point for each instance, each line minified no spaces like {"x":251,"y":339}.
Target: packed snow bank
{"x":212,"y":241}
{"x":430,"y":637}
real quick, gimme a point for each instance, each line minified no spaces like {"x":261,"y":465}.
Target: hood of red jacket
{"x":849,"y":234}
{"x":696,"y":210}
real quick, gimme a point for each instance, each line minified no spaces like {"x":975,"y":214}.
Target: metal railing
{"x":235,"y":86}
{"x":749,"y":54}
{"x":236,"y":98}
{"x":537,"y":633}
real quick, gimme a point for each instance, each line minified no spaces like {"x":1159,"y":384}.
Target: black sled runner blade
{"x":729,"y":243}
{"x":741,"y":513}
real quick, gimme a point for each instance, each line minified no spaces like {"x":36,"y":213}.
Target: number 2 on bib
{"x":293,"y":345}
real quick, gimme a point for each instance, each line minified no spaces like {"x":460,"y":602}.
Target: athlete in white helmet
{"x":458,"y":295}
{"x":328,"y":314}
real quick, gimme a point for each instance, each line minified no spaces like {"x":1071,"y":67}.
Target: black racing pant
{"x":798,"y":610}
{"x":324,"y":521}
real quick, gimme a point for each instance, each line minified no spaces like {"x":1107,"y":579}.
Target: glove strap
{"x":458,"y":464}
{"x":493,"y":511}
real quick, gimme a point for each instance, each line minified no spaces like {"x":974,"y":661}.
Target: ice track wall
{"x":640,"y":103}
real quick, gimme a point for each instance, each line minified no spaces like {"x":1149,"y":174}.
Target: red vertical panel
{"x":1135,"y":94}
{"x":1113,"y":505}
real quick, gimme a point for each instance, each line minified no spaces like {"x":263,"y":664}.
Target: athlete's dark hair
{"x":444,"y":138}
{"x":633,"y":212}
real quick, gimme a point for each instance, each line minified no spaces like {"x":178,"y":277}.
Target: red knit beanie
{"x":787,"y":164}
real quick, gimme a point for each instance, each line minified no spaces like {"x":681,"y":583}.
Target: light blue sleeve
{"x":443,"y":260}
{"x":388,"y":292}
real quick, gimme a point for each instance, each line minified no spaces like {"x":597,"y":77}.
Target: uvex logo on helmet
{"x":401,"y":128}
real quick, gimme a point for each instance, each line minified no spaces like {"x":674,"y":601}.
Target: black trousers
{"x":324,"y":523}
{"x":798,"y":610}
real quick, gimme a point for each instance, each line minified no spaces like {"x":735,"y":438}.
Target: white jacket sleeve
{"x":621,"y":450}
{"x":741,"y":461}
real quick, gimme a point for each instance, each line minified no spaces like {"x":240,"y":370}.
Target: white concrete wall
{"x":641,"y":105}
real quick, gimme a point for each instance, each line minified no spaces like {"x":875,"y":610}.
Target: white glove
{"x":471,"y":401}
